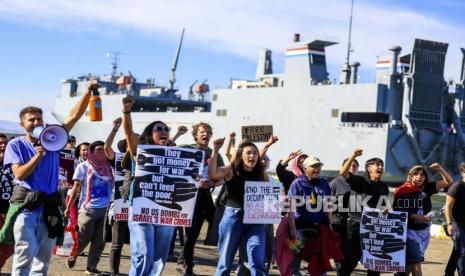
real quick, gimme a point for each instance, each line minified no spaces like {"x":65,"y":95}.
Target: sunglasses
{"x":160,"y":129}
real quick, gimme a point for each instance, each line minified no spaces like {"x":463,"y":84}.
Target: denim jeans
{"x":231,"y":232}
{"x":458,"y":237}
{"x":269,"y":249}
{"x":150,"y":245}
{"x":33,"y":247}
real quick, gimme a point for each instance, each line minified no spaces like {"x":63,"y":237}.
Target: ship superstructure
{"x":409,"y":115}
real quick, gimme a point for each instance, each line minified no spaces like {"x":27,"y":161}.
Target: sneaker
{"x":93,"y":271}
{"x":70,"y":262}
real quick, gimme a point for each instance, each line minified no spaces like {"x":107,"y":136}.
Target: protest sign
{"x":6,"y":184}
{"x":165,"y":189}
{"x":262,"y":203}
{"x":66,"y":165}
{"x":383,"y":239}
{"x":121,"y":206}
{"x":257,"y":133}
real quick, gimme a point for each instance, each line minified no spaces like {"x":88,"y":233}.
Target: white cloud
{"x":241,"y":27}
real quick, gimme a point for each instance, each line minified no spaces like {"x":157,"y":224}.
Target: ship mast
{"x":114,"y":56}
{"x":346,"y":72}
{"x":349,"y":44}
{"x":175,"y":62}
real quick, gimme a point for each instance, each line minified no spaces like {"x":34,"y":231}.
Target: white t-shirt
{"x":101,"y":190}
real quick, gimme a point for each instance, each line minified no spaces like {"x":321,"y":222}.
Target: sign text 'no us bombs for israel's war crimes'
{"x":165,"y":186}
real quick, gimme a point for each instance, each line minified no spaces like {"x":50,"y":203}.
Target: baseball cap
{"x":311,"y":161}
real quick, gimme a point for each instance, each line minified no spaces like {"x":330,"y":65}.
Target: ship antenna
{"x":349,"y":44}
{"x":114,"y":56}
{"x":175,"y":62}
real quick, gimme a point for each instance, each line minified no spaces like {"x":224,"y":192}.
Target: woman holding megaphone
{"x":150,"y":243}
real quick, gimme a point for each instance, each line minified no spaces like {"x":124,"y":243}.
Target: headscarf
{"x":295,"y":168}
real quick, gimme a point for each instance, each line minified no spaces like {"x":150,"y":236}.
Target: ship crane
{"x":175,"y":64}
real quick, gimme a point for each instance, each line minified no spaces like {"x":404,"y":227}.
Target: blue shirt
{"x":44,"y":178}
{"x":101,"y":190}
{"x":313,"y":193}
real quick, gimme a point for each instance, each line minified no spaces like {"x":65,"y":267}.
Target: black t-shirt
{"x":363,"y":187}
{"x":416,"y":202}
{"x":6,"y":187}
{"x":286,"y":177}
{"x":457,"y":191}
{"x":235,"y":188}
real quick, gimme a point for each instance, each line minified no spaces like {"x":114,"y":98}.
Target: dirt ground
{"x":206,"y":259}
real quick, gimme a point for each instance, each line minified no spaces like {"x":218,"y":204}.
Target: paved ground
{"x":206,"y":260}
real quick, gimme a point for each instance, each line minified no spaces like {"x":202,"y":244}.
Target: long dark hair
{"x":146,"y":136}
{"x":238,"y":165}
{"x":372,"y":161}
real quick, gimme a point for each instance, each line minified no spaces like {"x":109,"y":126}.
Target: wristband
{"x":126,"y":112}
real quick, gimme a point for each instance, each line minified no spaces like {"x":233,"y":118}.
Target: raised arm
{"x":109,"y":152}
{"x":181,"y":131}
{"x":214,"y":172}
{"x":129,"y":134}
{"x":76,"y":113}
{"x":344,"y":172}
{"x":290,"y":156}
{"x":269,"y":143}
{"x":229,"y":145}
{"x":446,"y":180}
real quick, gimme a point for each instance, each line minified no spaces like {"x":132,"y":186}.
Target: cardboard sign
{"x":257,"y":133}
{"x":165,"y":189}
{"x":121,"y":206}
{"x":262,"y":203}
{"x":383,"y":239}
{"x":66,"y":165}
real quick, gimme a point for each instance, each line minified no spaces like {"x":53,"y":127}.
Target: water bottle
{"x":95,"y":104}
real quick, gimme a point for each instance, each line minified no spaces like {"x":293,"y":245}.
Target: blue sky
{"x":44,"y":41}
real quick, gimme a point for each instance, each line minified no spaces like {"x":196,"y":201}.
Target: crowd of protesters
{"x":30,"y":198}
